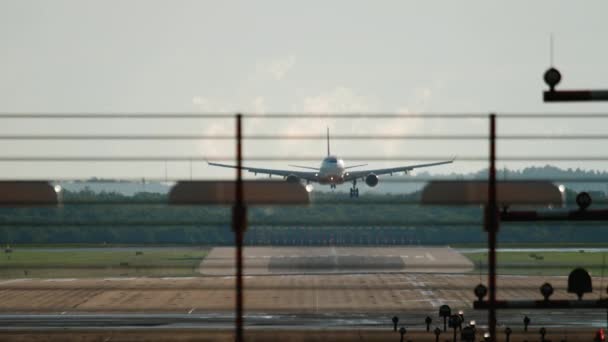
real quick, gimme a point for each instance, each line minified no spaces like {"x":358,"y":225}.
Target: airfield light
{"x":561,"y":188}
{"x":472,"y":323}
{"x":579,"y":282}
{"x":546,"y":290}
{"x":600,"y":336}
{"x":309,"y":188}
{"x":486,"y":336}
{"x":445,"y":311}
{"x":552,"y":78}
{"x":437,"y":332}
{"x":508,"y":332}
{"x":395,"y":320}
{"x":461,"y":314}
{"x":480,"y":291}
{"x":57,"y":188}
{"x":402,"y":332}
{"x":583,"y":200}
{"x":454,"y":323}
{"x":467,"y":334}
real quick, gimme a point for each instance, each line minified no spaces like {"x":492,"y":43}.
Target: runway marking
{"x":189,"y":312}
{"x":119,"y":279}
{"x":418,"y":284}
{"x":63,"y":313}
{"x":405,"y":256}
{"x":430,"y":257}
{"x":15,"y":280}
{"x":419,"y":256}
{"x":177,"y":278}
{"x":60,"y":279}
{"x":437,"y":302}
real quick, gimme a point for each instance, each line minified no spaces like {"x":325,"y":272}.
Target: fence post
{"x":239,"y":222}
{"x":492,"y":229}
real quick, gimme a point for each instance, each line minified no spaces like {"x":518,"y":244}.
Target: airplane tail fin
{"x":328,"y":153}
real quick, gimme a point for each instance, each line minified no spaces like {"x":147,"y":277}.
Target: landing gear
{"x":354,"y":192}
{"x":332,"y":187}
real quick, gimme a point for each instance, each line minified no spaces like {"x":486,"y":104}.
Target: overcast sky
{"x":301,"y":57}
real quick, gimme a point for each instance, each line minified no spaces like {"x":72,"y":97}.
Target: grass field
{"x":100,"y":263}
{"x":542,"y":263}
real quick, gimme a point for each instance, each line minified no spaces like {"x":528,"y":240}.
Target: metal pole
{"x":492,"y":228}
{"x":239,"y":225}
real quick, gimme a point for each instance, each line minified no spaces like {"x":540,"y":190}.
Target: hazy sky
{"x":286,"y":56}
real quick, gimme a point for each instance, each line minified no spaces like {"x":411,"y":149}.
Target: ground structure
{"x":340,"y":292}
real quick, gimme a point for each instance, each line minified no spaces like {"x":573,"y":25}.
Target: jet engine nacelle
{"x":292,"y":179}
{"x":371,"y":180}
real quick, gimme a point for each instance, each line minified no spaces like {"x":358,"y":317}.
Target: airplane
{"x":332,"y":172}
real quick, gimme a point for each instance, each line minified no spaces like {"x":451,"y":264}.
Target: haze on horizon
{"x":313,"y":57}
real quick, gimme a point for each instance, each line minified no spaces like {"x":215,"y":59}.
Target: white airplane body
{"x":333,"y":171}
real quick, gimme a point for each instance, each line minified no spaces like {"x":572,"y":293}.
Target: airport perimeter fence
{"x":113,"y":177}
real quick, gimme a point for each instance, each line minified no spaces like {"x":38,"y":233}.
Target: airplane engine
{"x":292,"y":179}
{"x":371,"y":180}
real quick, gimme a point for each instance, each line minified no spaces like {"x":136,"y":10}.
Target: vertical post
{"x":492,"y":229}
{"x":239,"y":222}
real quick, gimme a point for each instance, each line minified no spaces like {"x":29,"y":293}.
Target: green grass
{"x":97,"y":245}
{"x":534,"y":245}
{"x":542,"y":263}
{"x":104,"y":263}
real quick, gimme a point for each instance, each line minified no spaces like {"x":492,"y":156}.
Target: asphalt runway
{"x":413,"y":320}
{"x":363,"y":295}
{"x":338,"y":287}
{"x":309,"y":260}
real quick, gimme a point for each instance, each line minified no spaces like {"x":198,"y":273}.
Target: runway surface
{"x":413,"y":320}
{"x":333,"y":300}
{"x":338,"y":287}
{"x":298,"y":260}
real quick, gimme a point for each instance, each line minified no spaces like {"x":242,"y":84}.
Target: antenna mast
{"x":551,"y":50}
{"x":328,"y":141}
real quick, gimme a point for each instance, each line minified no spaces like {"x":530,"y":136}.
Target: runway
{"x":415,"y":321}
{"x":339,"y":287}
{"x":309,"y":260}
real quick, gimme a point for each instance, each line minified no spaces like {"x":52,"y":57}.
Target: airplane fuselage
{"x":331,"y":171}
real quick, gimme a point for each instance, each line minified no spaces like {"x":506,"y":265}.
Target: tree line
{"x":332,"y":218}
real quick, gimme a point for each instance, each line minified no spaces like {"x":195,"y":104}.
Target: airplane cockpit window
{"x":331,"y":159}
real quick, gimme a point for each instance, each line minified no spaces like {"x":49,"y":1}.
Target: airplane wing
{"x":361,"y":174}
{"x":310,"y":176}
